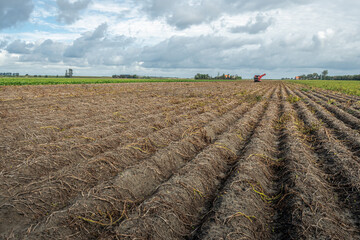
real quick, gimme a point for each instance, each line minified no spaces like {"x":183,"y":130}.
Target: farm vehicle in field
{"x":257,"y":78}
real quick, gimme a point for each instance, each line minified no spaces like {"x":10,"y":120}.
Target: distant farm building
{"x":9,"y":74}
{"x":227,"y":76}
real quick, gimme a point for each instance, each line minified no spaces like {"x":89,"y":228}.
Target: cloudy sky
{"x":180,"y":37}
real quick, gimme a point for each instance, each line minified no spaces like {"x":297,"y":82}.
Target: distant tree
{"x":202,"y":76}
{"x":238,"y":77}
{"x":324,"y":74}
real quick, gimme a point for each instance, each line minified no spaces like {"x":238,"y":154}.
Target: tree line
{"x":345,"y":77}
{"x":314,"y":76}
{"x":224,"y":76}
{"x":324,"y":76}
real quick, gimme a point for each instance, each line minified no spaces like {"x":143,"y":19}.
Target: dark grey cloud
{"x":251,"y":52}
{"x":196,"y":52}
{"x":19,"y":47}
{"x":97,"y":48}
{"x":184,"y":13}
{"x":13,"y":12}
{"x":46,"y":51}
{"x":50,"y":50}
{"x":85,"y":43}
{"x":69,"y":11}
{"x":293,"y":51}
{"x":299,"y":51}
{"x":93,"y":48}
{"x":254,"y":26}
{"x":3,"y":43}
{"x":115,"y":51}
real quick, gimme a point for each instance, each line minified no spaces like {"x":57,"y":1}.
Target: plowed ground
{"x":233,"y":160}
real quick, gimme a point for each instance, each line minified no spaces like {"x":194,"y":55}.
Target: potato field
{"x":208,"y":160}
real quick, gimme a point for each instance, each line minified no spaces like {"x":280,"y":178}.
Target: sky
{"x":283,"y":38}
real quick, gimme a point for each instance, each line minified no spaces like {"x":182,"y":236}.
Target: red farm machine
{"x":257,"y":78}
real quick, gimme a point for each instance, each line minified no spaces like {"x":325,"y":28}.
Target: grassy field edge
{"x":347,"y":87}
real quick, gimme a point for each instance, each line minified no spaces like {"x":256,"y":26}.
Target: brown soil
{"x":345,"y":105}
{"x":232,"y":160}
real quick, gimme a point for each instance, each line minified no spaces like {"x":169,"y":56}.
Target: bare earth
{"x":231,"y":160}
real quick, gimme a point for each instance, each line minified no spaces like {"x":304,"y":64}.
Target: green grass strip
{"x":347,"y":87}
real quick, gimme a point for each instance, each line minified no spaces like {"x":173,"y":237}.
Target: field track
{"x":231,"y":160}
